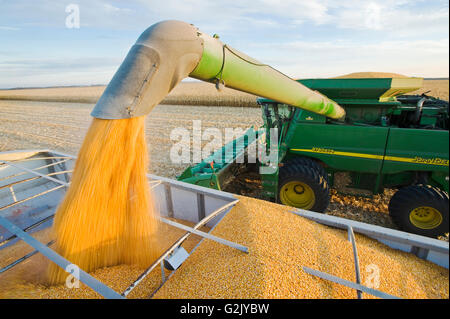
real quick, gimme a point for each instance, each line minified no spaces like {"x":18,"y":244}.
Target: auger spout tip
{"x":162,"y":56}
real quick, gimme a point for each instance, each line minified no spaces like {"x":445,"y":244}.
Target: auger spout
{"x":170,"y":51}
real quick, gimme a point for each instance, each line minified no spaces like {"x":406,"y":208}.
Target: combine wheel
{"x":303,"y":186}
{"x":421,"y":210}
{"x":309,"y":162}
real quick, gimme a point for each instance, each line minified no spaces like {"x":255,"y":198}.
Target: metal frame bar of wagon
{"x":27,"y":154}
{"x":173,"y":183}
{"x":351,"y":238}
{"x":44,"y":158}
{"x":83,"y":276}
{"x":193,"y":188}
{"x":190,"y":253}
{"x":38,"y":223}
{"x":15,"y":201}
{"x":35,"y":173}
{"x":418,"y":245}
{"x":206,"y":235}
{"x":37,"y":168}
{"x":23,"y":258}
{"x":350,"y":284}
{"x":33,"y":178}
{"x":33,"y":196}
{"x":26,"y":229}
{"x":416,"y":242}
{"x":179,"y":242}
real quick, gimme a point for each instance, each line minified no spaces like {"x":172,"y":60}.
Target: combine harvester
{"x":387,"y":140}
{"x":32,"y":183}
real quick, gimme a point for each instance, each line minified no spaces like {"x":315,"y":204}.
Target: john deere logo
{"x":434,"y":161}
{"x":309,"y":118}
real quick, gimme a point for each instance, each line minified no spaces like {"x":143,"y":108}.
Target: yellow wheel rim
{"x":297,"y":194}
{"x":425,"y":217}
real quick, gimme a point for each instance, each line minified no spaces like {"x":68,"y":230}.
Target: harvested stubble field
{"x":58,"y":118}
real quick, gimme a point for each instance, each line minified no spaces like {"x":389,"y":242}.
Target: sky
{"x":43,"y":44}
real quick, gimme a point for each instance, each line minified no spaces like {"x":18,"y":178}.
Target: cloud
{"x":119,"y":15}
{"x":302,"y":59}
{"x":60,"y":63}
{"x":238,"y":15}
{"x":5,"y":28}
{"x":300,"y":37}
{"x":394,"y":18}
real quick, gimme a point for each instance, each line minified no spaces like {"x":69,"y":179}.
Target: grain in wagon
{"x":280,"y":244}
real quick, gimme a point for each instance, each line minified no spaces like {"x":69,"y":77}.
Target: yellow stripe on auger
{"x":416,"y":160}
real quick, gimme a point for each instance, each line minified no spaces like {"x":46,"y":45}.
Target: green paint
{"x":220,"y":62}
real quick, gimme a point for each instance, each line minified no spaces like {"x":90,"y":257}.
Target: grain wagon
{"x":33,"y":182}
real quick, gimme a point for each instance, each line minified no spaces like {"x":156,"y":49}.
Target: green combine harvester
{"x":387,"y":140}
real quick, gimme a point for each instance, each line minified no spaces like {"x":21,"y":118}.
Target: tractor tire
{"x":309,"y":162}
{"x":420,"y":209}
{"x":303,"y":186}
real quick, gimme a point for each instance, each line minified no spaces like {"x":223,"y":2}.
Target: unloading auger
{"x":169,"y":51}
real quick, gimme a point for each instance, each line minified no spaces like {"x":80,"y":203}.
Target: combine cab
{"x":388,"y":140}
